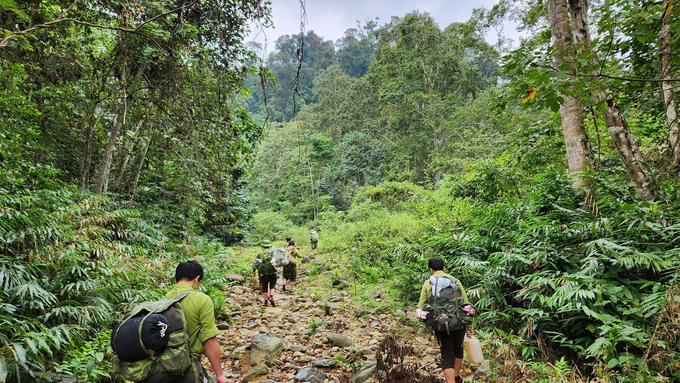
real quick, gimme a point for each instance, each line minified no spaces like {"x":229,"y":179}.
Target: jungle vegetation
{"x":545,"y":172}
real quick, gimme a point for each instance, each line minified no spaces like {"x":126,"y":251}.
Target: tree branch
{"x":4,"y":42}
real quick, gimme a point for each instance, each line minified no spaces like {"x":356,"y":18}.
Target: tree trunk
{"x":121,"y":172}
{"x":613,"y":116}
{"x":139,"y":169}
{"x":107,"y":157}
{"x":573,"y":125}
{"x":86,"y":160}
{"x":667,"y":94}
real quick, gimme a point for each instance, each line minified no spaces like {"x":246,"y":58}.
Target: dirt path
{"x":303,"y":320}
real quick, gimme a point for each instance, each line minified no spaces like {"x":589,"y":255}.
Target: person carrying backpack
{"x":267,"y":273}
{"x":313,"y":240}
{"x":184,"y":320}
{"x":290,"y":270}
{"x":448,"y":312}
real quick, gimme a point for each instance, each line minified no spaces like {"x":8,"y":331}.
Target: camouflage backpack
{"x":263,"y":263}
{"x":174,"y":359}
{"x":445,"y":306}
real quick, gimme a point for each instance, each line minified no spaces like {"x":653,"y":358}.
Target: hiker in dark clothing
{"x":290,"y":270}
{"x":266,"y":272}
{"x":450,"y":343}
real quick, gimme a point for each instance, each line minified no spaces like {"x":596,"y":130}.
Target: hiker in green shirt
{"x":451,"y":344}
{"x":290,"y":270}
{"x":266,"y":272}
{"x":200,"y":317}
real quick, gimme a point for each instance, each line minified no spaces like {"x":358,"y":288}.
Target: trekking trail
{"x":319,"y":333}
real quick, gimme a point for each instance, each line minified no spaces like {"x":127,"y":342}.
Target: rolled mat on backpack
{"x":140,"y":337}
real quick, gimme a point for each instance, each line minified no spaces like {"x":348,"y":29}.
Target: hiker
{"x":266,"y":272}
{"x":200,"y":318}
{"x":313,"y":240}
{"x":450,"y":343}
{"x":290,"y":270}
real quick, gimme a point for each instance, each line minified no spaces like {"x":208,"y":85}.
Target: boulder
{"x":265,"y":348}
{"x":339,"y":340}
{"x":363,"y":373}
{"x":254,"y":372}
{"x":310,"y":375}
{"x":325,"y":363}
{"x":236,"y":277}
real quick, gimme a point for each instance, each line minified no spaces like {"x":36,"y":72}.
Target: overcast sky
{"x":330,"y":18}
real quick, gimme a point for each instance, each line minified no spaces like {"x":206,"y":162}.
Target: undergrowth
{"x":71,"y":264}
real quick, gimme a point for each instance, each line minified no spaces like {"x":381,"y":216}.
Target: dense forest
{"x":135,"y":134}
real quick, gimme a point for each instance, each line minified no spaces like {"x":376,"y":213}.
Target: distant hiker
{"x":266,"y":272}
{"x":200,"y":317}
{"x":448,"y":310}
{"x":314,"y":240}
{"x":290,"y":270}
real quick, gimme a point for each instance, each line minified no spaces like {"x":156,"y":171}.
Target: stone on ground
{"x":256,"y":371}
{"x":236,"y":277}
{"x":484,"y":369}
{"x":339,"y":340}
{"x":365,"y":372}
{"x":310,"y":375}
{"x":265,"y":348}
{"x":324,"y":363}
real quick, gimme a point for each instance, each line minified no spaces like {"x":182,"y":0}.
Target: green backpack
{"x":264,"y":263}
{"x":445,"y":306}
{"x":174,"y":359}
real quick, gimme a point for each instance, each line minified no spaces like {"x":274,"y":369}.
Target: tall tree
{"x":667,"y":93}
{"x":573,"y":126}
{"x":616,"y":122}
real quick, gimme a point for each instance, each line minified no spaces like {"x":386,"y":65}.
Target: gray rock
{"x":336,"y":299}
{"x":376,"y":294}
{"x":375,"y":324}
{"x":250,"y":325}
{"x":310,"y":375}
{"x":265,"y":348}
{"x":484,"y":369}
{"x":319,"y":262}
{"x":343,"y":284}
{"x":338,"y":340}
{"x":362,"y":312}
{"x":223,"y":326}
{"x":363,"y":373}
{"x":236,"y":277}
{"x":306,"y":259}
{"x":267,"y":381}
{"x":355,"y":356}
{"x":254,"y":372}
{"x":297,"y":348}
{"x":324,"y":363}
